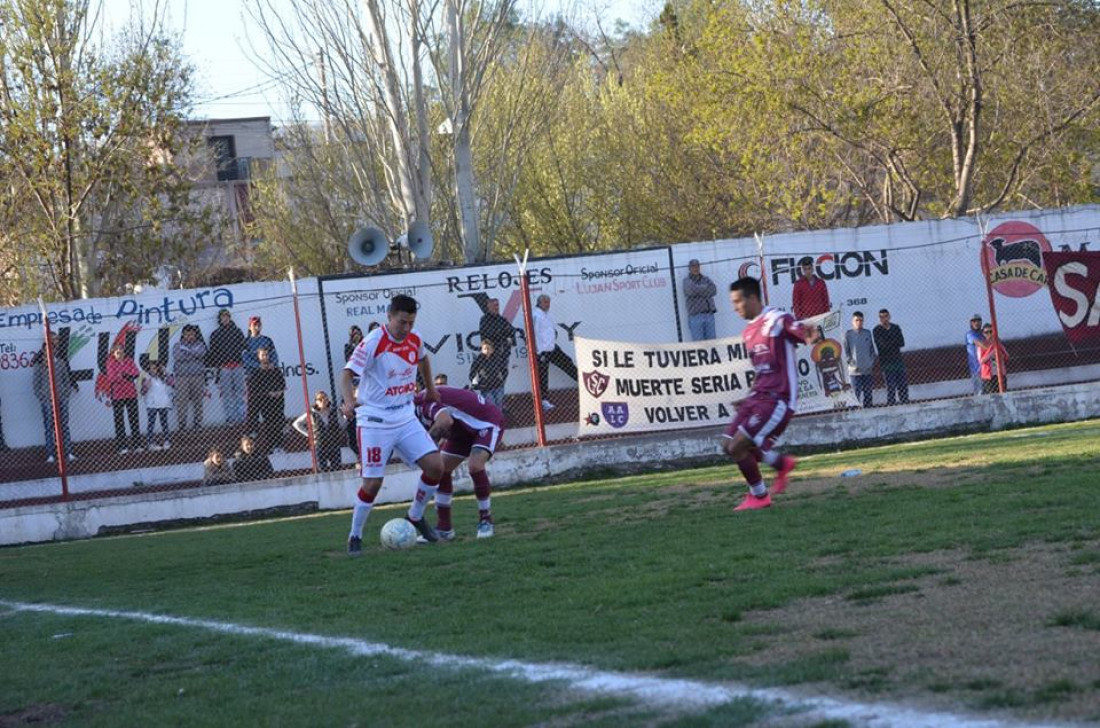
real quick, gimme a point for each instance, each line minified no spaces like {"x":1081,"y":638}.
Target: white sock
{"x":443,"y":500}
{"x":771,"y":457}
{"x":483,"y":505}
{"x":359,"y":518}
{"x":759,"y":490}
{"x":424,"y":493}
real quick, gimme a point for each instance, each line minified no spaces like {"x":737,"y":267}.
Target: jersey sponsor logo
{"x":595,"y":383}
{"x":617,"y":414}
{"x":409,"y":388}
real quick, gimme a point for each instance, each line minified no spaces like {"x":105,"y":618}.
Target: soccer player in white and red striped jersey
{"x":770,"y":338}
{"x":386,"y":363}
{"x":472,"y":429}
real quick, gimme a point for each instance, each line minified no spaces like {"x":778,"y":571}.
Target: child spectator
{"x":249,"y":463}
{"x":121,"y":372}
{"x":488,"y":373}
{"x":328,"y":431}
{"x":215,"y":469}
{"x":157,"y":392}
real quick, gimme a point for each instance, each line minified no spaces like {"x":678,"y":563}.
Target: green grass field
{"x":959,"y":575}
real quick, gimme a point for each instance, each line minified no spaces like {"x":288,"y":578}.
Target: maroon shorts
{"x":761,"y":419}
{"x":461,"y":441}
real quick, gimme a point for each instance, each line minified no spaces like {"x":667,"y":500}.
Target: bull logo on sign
{"x":595,"y":383}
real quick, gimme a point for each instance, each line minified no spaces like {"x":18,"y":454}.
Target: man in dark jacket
{"x":889,"y":340}
{"x":224,"y":355}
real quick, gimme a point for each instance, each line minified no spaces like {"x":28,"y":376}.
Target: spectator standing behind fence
{"x":216,"y":470}
{"x":156,"y":389}
{"x":224,"y":355}
{"x":266,"y":393}
{"x":497,"y":329}
{"x":355,"y":335}
{"x":811,"y":295}
{"x":889,"y":340}
{"x":699,"y":291}
{"x":546,"y":334}
{"x":991,"y":353}
{"x":251,"y":361}
{"x":249,"y":463}
{"x":328,"y":431}
{"x":121,"y":373}
{"x":189,"y":358}
{"x":859,"y":353}
{"x":65,"y":386}
{"x":973,"y":339}
{"x":489,"y":373}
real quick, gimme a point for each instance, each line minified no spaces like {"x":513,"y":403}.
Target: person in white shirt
{"x":386,"y":363}
{"x":546,"y":333}
{"x":158,"y":394}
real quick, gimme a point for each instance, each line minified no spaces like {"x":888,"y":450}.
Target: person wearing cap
{"x":224,"y":356}
{"x":974,"y":338}
{"x":251,"y":362}
{"x":699,"y":292}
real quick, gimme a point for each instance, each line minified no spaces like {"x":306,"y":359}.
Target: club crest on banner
{"x":595,"y":383}
{"x":616,"y":414}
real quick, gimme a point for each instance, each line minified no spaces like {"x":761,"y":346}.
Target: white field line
{"x":656,"y":691}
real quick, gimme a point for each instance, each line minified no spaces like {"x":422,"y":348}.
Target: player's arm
{"x":796,"y":331}
{"x":425,"y":367}
{"x":347,"y":392}
{"x":441,"y":426}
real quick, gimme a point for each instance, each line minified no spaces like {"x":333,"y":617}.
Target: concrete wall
{"x":329,"y":491}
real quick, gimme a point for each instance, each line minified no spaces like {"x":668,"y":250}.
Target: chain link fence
{"x":154,"y":387}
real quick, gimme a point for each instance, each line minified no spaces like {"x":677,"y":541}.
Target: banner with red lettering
{"x":1075,"y":292}
{"x":639,"y":387}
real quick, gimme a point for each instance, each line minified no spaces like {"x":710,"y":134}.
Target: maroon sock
{"x":443,"y":503}
{"x":750,"y":469}
{"x":481,"y":491}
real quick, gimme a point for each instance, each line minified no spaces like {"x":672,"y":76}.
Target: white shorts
{"x":378,"y":440}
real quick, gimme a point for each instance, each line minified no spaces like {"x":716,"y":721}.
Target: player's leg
{"x":741,"y":449}
{"x":375,"y":446}
{"x":445,"y":494}
{"x":415,"y":446}
{"x":482,"y":491}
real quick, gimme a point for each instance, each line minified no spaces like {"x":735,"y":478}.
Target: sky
{"x":221,"y":41}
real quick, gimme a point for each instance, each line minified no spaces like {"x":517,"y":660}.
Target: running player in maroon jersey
{"x":386,"y":363}
{"x":472,"y":428}
{"x":770,"y":338}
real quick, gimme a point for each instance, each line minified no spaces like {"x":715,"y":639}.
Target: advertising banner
{"x":636,"y":387}
{"x":1075,"y":291}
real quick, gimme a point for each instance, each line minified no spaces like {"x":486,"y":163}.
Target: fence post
{"x":302,"y":367}
{"x":55,"y":406}
{"x":763,"y":271}
{"x":992,"y":308}
{"x":532,"y":357}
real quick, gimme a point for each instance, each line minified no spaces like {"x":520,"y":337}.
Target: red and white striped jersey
{"x":387,"y":375}
{"x":770,"y":339}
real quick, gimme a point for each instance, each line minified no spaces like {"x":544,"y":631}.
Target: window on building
{"x":224,"y":150}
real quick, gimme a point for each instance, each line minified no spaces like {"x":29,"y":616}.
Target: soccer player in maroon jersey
{"x":386,"y":363}
{"x":472,"y":428}
{"x":770,"y":338}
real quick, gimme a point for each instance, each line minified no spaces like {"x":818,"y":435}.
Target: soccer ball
{"x":398,"y":534}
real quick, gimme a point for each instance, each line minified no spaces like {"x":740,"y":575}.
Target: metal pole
{"x":532,"y":358}
{"x":763,"y":271}
{"x":59,"y":444}
{"x":302,"y":363}
{"x":992,"y":310}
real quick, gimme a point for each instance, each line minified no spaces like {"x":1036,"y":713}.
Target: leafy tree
{"x":88,"y":138}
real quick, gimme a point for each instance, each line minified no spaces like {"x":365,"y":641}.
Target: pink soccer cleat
{"x":752,"y":502}
{"x":786,"y":465}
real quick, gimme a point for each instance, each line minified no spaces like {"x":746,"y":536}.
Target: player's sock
{"x":771,"y":457}
{"x":481,"y":492}
{"x":443,"y":498}
{"x":363,"y":503}
{"x":759,"y":490}
{"x":750,"y":469}
{"x":424,"y":492}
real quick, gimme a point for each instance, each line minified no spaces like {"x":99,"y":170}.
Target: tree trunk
{"x":463,"y":154}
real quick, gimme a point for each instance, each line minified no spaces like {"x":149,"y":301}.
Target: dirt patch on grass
{"x":39,"y":714}
{"x":1013,"y":635}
